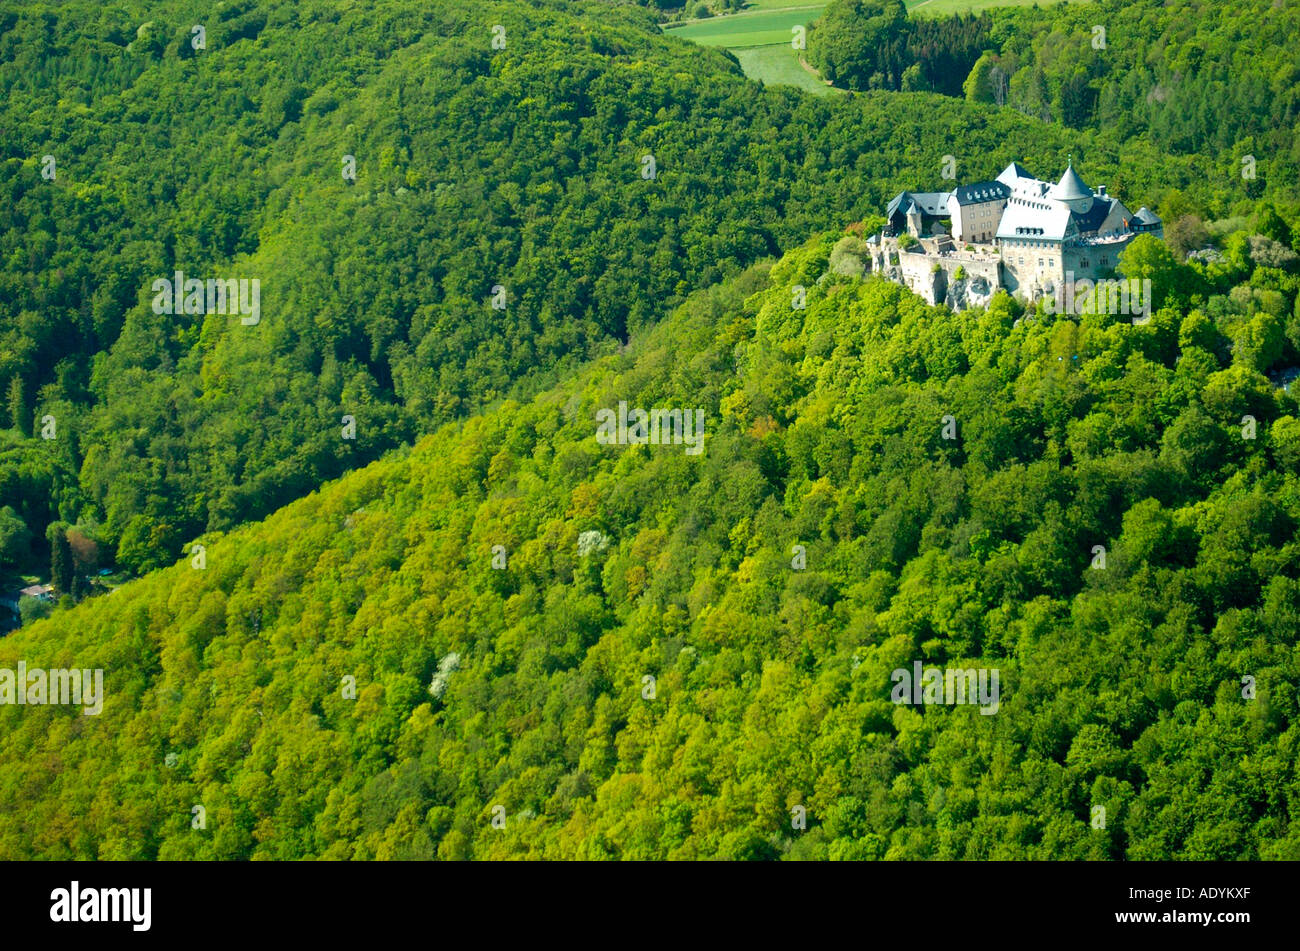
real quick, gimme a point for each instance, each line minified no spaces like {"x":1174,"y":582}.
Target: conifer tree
{"x":19,"y":417}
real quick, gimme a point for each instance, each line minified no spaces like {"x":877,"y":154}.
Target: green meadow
{"x":741,"y":30}
{"x":779,"y":65}
{"x":760,"y":39}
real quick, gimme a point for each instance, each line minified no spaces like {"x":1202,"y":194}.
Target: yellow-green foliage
{"x":823,"y":427}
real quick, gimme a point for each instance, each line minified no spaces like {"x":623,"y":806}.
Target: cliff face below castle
{"x":956,"y":279}
{"x":974,"y":291}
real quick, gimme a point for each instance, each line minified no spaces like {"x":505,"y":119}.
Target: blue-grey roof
{"x":981,"y":192}
{"x":934,"y":204}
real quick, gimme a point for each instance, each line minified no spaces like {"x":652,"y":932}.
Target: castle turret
{"x":1071,"y":190}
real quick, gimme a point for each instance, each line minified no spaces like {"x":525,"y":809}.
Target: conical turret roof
{"x":1071,"y":187}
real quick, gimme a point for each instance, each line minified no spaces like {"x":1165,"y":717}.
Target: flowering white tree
{"x":446,"y":667}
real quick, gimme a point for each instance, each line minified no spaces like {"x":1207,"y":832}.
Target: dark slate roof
{"x":896,"y":202}
{"x":930,"y":203}
{"x":981,"y":192}
{"x":1091,"y":220}
{"x":1146,"y":216}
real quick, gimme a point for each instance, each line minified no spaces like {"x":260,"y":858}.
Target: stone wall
{"x":917,"y":271}
{"x":1031,"y":266}
{"x":1093,"y":261}
{"x":981,"y":278}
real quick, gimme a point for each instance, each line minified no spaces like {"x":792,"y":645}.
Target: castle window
{"x":1083,"y":262}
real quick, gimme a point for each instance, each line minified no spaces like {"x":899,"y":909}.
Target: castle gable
{"x":1012,"y":173}
{"x":1034,"y":221}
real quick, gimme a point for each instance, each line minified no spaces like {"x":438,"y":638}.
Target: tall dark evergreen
{"x":19,"y":414}
{"x":61,"y":562}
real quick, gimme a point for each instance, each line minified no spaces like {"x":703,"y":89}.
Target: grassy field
{"x":779,"y":66}
{"x":740,"y":30}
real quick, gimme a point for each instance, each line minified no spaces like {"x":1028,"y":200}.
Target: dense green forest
{"x":873,"y":44}
{"x":475,"y":630}
{"x":1190,"y":75}
{"x":514,"y":676}
{"x":475,"y":168}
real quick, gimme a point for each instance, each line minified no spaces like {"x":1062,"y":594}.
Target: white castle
{"x":1016,"y":233}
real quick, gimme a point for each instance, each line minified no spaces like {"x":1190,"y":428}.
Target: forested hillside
{"x":500,"y":705}
{"x":521,"y":168}
{"x":479,"y":629}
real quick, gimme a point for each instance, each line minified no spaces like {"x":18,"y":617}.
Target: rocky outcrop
{"x":969,"y":292}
